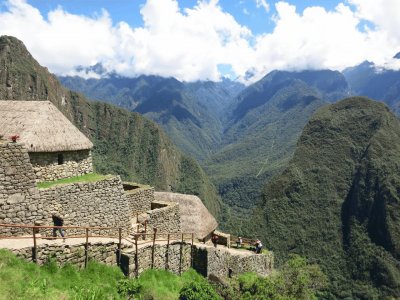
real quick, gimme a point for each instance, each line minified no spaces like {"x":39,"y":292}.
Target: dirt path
{"x":27,"y":241}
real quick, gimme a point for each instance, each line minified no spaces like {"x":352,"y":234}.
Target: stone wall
{"x":139,"y":197}
{"x":101,"y":203}
{"x":16,"y":173}
{"x":165,"y":217}
{"x":105,"y":252}
{"x":223,"y":238}
{"x":47,"y":166}
{"x":19,"y":197}
{"x":176,"y":257}
{"x":179,"y":257}
{"x":221,"y":262}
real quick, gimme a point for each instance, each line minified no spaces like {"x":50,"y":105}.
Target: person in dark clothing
{"x":258,"y":247}
{"x":214,"y":240}
{"x":57,"y":221}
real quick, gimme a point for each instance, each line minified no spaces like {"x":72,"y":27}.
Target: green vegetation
{"x":296,"y":280}
{"x":188,"y":112}
{"x":161,"y":284}
{"x":92,"y":177}
{"x":337,"y":202}
{"x":260,"y":144}
{"x":198,"y":291}
{"x":23,"y":280}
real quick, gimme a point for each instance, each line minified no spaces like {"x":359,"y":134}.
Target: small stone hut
{"x":195,"y":217}
{"x":56,"y":148}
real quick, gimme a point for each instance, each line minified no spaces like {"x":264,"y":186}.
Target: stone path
{"x":28,"y":242}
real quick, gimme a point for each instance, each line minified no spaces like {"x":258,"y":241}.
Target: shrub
{"x":198,"y":290}
{"x":128,"y":287}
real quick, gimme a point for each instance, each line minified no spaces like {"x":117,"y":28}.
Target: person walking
{"x":214,"y":240}
{"x":258,"y":247}
{"x":239,"y":242}
{"x":58,"y":221}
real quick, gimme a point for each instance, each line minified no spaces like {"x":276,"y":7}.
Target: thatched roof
{"x":194,"y":215}
{"x":41,"y":127}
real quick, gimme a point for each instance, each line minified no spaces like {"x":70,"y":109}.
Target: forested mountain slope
{"x":337,"y":202}
{"x":261,"y":136}
{"x":188,"y":112}
{"x":125,"y":143}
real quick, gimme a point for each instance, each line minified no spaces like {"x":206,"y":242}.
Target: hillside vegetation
{"x":261,"y":138}
{"x":125,"y":143}
{"x":188,"y":112}
{"x":296,"y":280}
{"x":337,"y":202}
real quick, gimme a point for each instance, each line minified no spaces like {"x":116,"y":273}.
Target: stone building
{"x":56,"y":148}
{"x":194,"y":216}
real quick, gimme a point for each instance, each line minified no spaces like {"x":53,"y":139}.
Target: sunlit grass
{"x":91,"y":177}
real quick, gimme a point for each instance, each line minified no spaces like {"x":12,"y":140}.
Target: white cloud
{"x":262,"y":3}
{"x":318,"y":39}
{"x":190,"y":43}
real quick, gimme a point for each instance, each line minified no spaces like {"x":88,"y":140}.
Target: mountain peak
{"x":12,"y":45}
{"x":397,"y":56}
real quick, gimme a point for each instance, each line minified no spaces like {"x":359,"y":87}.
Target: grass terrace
{"x":91,"y":177}
{"x":26,"y":280}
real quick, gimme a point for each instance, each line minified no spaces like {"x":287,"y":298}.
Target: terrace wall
{"x":50,"y":166}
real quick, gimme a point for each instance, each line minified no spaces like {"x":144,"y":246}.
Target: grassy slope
{"x":23,"y":280}
{"x":337,"y":202}
{"x":125,"y":143}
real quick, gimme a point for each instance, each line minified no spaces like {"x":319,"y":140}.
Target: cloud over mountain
{"x":193,"y":43}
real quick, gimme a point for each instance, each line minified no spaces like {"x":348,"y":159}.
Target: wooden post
{"x":136,"y":257}
{"x":137,"y":228}
{"x":167,"y":254}
{"x":34,"y":246}
{"x":182,"y":238}
{"x":119,"y":245}
{"x":180,"y":256}
{"x":152,"y":250}
{"x":87,"y":248}
{"x":191,"y":251}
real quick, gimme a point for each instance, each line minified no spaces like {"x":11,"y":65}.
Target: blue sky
{"x":245,"y":12}
{"x":204,"y":39}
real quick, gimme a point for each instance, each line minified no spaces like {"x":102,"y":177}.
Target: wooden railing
{"x":246,"y":242}
{"x":160,"y":237}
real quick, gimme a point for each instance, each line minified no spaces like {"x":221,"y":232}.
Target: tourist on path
{"x":239,"y":242}
{"x":258,"y":247}
{"x":214,"y":240}
{"x":57,"y":221}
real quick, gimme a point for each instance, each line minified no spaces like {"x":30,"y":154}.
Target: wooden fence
{"x":136,"y":239}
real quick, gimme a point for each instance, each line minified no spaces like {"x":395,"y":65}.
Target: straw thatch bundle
{"x":41,"y":127}
{"x":194,"y":215}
